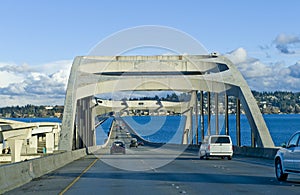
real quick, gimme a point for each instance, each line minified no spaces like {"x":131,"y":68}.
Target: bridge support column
{"x":217,"y":113}
{"x":49,"y":142}
{"x":238,"y":122}
{"x":253,"y":142}
{"x":202,"y":114}
{"x":15,"y":146}
{"x":85,"y":123}
{"x":226,"y":116}
{"x":191,"y":134}
{"x":208,"y":114}
{"x":196,"y":118}
{"x":93,"y":123}
{"x":185,"y":136}
{"x":187,"y":132}
{"x":190,"y":125}
{"x":195,"y":123}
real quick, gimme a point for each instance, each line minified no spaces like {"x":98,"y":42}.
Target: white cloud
{"x":284,"y":43}
{"x":266,"y":77}
{"x":8,"y":78}
{"x":286,"y":39}
{"x":21,"y":69}
{"x":238,"y":56}
{"x":39,"y":85}
{"x":46,"y":84}
{"x":54,"y":67}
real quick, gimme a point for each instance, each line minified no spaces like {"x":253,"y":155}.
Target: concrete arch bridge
{"x":210,"y":74}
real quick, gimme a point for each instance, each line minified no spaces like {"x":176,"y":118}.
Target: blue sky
{"x":39,"y":39}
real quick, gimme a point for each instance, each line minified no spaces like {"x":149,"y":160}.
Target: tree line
{"x":268,"y":102}
{"x":31,"y":111}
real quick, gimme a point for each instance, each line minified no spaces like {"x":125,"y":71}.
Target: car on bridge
{"x":216,"y":146}
{"x":133,"y":143}
{"x":117,"y":147}
{"x":287,"y":158}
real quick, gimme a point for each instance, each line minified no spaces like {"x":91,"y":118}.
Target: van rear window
{"x":218,"y":140}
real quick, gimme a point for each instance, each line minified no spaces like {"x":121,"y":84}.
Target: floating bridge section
{"x":213,"y":74}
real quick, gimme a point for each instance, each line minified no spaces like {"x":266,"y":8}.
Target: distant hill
{"x":30,"y":111}
{"x":278,"y":102}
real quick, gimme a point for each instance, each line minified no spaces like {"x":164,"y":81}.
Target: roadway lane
{"x":183,"y":175}
{"x":161,"y":170}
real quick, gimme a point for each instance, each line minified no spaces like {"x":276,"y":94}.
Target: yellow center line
{"x":78,"y":177}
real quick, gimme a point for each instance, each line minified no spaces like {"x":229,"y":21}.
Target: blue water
{"x":102,"y":131}
{"x":33,"y":120}
{"x":169,"y":129}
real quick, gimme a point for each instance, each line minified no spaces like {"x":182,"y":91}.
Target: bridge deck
{"x":185,"y":174}
{"x":160,"y":169}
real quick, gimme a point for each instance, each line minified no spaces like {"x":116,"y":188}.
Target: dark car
{"x":133,"y":143}
{"x":117,"y":147}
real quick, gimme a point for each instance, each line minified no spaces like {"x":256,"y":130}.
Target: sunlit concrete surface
{"x":27,"y":138}
{"x":91,"y":75}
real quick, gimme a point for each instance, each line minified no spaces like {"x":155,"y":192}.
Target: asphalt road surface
{"x":145,"y":170}
{"x":160,"y":170}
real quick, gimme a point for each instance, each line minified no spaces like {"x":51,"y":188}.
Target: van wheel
{"x":229,"y":157}
{"x":206,"y":157}
{"x":279,"y":172}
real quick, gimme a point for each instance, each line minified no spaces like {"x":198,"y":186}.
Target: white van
{"x":216,"y":146}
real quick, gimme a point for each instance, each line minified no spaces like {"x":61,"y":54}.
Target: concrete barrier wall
{"x":17,"y":174}
{"x":268,"y":153}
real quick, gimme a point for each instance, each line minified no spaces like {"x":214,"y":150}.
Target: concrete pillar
{"x":238,"y":122}
{"x":226,"y":116}
{"x":202,"y":114}
{"x":188,"y":125}
{"x":185,"y":136}
{"x":191,"y":125}
{"x":208,"y":114}
{"x":1,"y":146}
{"x":15,"y":149}
{"x":194,"y":122}
{"x":217,"y":112}
{"x":253,"y":142}
{"x":33,"y":144}
{"x":93,"y":115}
{"x":49,"y":142}
{"x":196,"y":118}
{"x":79,"y":125}
{"x":85,"y":123}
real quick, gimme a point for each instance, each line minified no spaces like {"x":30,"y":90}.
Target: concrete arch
{"x":91,"y":75}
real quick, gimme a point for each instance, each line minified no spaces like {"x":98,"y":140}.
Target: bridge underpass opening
{"x":210,"y":74}
{"x":148,"y":105}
